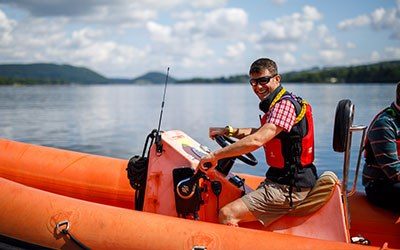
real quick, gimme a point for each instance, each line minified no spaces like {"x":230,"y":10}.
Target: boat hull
{"x":42,"y":186}
{"x":31,"y":215}
{"x":83,"y":176}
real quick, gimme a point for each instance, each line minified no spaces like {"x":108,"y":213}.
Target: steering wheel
{"x":248,"y":158}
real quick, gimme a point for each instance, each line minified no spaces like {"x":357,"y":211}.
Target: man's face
{"x":263,"y":83}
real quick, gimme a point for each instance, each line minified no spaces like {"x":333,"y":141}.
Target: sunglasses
{"x":261,"y":81}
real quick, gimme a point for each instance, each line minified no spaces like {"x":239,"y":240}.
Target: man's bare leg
{"x":235,"y":212}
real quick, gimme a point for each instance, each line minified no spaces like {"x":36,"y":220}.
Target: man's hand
{"x":214,"y":131}
{"x":208,"y":160}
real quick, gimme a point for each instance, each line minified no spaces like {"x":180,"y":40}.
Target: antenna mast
{"x":158,"y":135}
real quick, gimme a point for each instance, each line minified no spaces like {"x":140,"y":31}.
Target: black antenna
{"x":159,"y":147}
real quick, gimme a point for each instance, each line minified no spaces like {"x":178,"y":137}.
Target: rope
{"x":302,"y":112}
{"x":303,"y":105}
{"x":277,"y":97}
{"x":66,"y":232}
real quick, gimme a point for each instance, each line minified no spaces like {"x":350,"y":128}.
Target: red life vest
{"x":294,"y":147}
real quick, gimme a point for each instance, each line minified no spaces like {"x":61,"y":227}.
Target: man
{"x":286,"y":132}
{"x":381,"y":174}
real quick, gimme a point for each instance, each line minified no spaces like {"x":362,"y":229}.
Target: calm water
{"x":114,"y":120}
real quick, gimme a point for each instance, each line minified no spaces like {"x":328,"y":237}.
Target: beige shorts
{"x":270,"y":201}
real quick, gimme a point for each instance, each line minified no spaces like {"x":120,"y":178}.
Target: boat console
{"x":173,"y":176}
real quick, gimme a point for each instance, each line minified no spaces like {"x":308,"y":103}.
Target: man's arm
{"x":245,"y":145}
{"x":238,"y":133}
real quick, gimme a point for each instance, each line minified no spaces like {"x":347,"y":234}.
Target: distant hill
{"x":153,"y":77}
{"x":46,"y":73}
{"x":148,"y":78}
{"x":230,"y":79}
{"x":383,"y":72}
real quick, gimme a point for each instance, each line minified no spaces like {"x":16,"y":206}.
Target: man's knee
{"x":225,"y":215}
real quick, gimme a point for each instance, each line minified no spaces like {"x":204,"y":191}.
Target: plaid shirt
{"x":282,"y":114}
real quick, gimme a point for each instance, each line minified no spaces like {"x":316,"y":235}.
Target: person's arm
{"x":238,"y":133}
{"x":281,"y":117}
{"x":382,"y":136}
{"x":245,"y":145}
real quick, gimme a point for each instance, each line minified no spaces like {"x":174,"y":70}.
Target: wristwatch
{"x":229,"y":130}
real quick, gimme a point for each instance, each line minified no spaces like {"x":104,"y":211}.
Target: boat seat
{"x":321,"y":215}
{"x":318,"y":196}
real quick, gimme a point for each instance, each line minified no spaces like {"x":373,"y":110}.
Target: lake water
{"x":114,"y":120}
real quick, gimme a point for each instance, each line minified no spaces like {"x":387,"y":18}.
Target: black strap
{"x":295,"y":164}
{"x":65,"y":230}
{"x":74,"y":239}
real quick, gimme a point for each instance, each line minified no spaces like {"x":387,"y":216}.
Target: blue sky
{"x":198,"y":38}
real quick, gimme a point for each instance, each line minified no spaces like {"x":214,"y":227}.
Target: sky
{"x":198,"y":38}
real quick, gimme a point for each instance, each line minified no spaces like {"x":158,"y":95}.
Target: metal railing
{"x":346,"y":163}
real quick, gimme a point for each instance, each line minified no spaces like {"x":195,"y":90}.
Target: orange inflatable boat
{"x":55,"y":198}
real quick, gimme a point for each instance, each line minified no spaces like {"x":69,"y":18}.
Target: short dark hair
{"x":262,"y":64}
{"x":398,"y":94}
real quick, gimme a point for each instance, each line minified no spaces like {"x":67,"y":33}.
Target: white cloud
{"x":308,"y":58}
{"x":131,"y":15}
{"x":290,"y":28}
{"x":6,"y":27}
{"x":379,"y":19}
{"x":300,"y":32}
{"x":326,"y":40}
{"x":311,"y":13}
{"x":208,"y":3}
{"x":279,"y":2}
{"x":158,"y":32}
{"x":38,"y":40}
{"x":355,"y":22}
{"x":218,"y":23}
{"x":198,"y":57}
{"x":331,"y":56}
{"x":76,"y":8}
{"x":85,"y":36}
{"x":207,"y":36}
{"x":350,"y":45}
{"x":375,"y":56}
{"x":188,"y":40}
{"x":392,"y":52}
{"x":289,"y":59}
{"x":224,"y":22}
{"x":280,"y":47}
{"x":235,"y":50}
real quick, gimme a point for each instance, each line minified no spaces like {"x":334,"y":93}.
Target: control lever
{"x":187,"y":187}
{"x":207,"y":165}
{"x":216,"y":187}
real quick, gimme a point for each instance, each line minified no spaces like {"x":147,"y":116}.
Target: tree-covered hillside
{"x":153,"y":77}
{"x":43,"y":73}
{"x":384,"y":72}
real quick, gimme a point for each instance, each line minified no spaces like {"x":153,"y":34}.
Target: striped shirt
{"x":382,"y":161}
